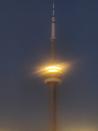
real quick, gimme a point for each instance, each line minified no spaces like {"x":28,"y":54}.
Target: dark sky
{"x":24,"y":43}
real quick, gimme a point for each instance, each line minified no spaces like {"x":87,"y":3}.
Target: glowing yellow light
{"x":53,"y":69}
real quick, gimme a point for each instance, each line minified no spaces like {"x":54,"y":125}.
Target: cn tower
{"x":52,"y":74}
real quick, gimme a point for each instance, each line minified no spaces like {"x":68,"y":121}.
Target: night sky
{"x":25,"y":42}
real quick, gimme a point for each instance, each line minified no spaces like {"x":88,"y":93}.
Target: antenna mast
{"x":53,"y":33}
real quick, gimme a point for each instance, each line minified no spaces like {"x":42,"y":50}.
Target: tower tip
{"x":53,"y":8}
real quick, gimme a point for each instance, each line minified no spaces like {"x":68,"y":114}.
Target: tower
{"x":52,"y":74}
{"x":52,"y":77}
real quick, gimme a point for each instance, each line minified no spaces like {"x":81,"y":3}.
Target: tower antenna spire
{"x":53,"y":33}
{"x":53,"y":13}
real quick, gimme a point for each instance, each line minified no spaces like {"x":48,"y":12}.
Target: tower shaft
{"x":53,"y":107}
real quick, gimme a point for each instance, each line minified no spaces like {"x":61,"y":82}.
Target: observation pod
{"x":52,"y":81}
{"x":53,"y":75}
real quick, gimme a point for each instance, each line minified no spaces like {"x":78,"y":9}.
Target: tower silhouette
{"x":52,"y":74}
